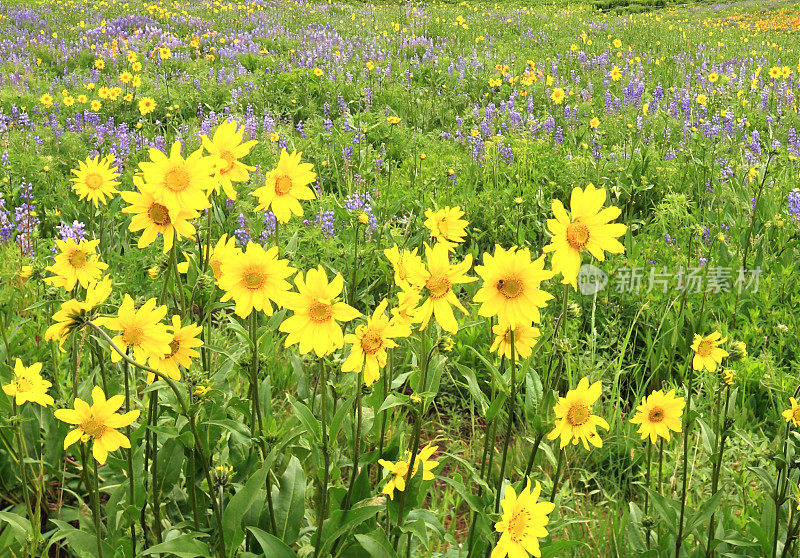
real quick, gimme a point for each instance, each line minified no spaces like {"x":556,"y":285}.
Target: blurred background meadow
{"x":259,"y":444}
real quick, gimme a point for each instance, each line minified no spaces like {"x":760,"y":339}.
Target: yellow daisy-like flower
{"x":224,"y":249}
{"x":315,"y":323}
{"x":587,"y":227}
{"x":400,"y":469}
{"x":228,"y":147}
{"x":285,"y":186}
{"x":76,"y":262}
{"x":406,"y":263}
{"x":95,"y":179}
{"x":153,"y":218}
{"x":99,"y":423}
{"x":255,"y":279}
{"x":707,"y":353}
{"x":658,"y":414}
{"x":615,"y":74}
{"x":438,"y":278}
{"x":370,"y":343}
{"x":407,"y":302}
{"x":523,"y":523}
{"x":28,"y":385}
{"x":446,"y":225}
{"x":74,"y":314}
{"x":525,"y":337}
{"x":141,"y":330}
{"x":574,"y":419}
{"x":792,"y":414}
{"x":558,"y":95}
{"x":511,"y":284}
{"x":146,"y":104}
{"x":178,"y":183}
{"x":181,"y":350}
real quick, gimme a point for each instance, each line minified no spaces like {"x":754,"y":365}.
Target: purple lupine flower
{"x":75,"y":231}
{"x":242,"y":233}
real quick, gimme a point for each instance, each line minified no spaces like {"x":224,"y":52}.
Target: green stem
{"x":96,"y":511}
{"x":173,"y":256}
{"x":153,"y":420}
{"x":686,"y":423}
{"x":131,"y":491}
{"x":557,"y":477}
{"x":24,"y":470}
{"x":356,"y":438}
{"x":512,"y":405}
{"x":646,"y":493}
{"x":323,"y":500}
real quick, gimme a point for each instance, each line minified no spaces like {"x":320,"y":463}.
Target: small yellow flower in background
{"x":140,"y":330}
{"x":125,"y":77}
{"x":223,"y":250}
{"x":153,"y":272}
{"x":96,"y":105}
{"x":255,"y":279}
{"x":181,"y":350}
{"x":95,"y":179}
{"x":525,"y":337}
{"x":400,"y":470}
{"x":318,"y":72}
{"x":523,"y":523}
{"x":574,"y":419}
{"x":75,"y":263}
{"x":202,"y":390}
{"x":587,"y":227}
{"x":617,"y":43}
{"x":26,"y":271}
{"x":615,"y":74}
{"x":728,"y":376}
{"x":658,"y":414}
{"x":228,"y":146}
{"x":393,"y":120}
{"x":46,"y":100}
{"x":446,"y":225}
{"x":792,"y":414}
{"x":98,"y":423}
{"x":707,"y":353}
{"x":645,"y":108}
{"x":164,"y":53}
{"x":404,"y":313}
{"x":68,"y":101}
{"x":713,"y":77}
{"x":511,"y":284}
{"x":28,"y":385}
{"x":74,"y":313}
{"x":146,"y":105}
{"x":594,"y":123}
{"x":154,"y":218}
{"x":370,"y":343}
{"x":285,"y":186}
{"x":99,"y":64}
{"x":178,"y":183}
{"x":436,"y":279}
{"x":274,"y":137}
{"x":363,"y":218}
{"x":315,"y":323}
{"x":702,"y":100}
{"x":557,"y":96}
{"x":406,"y":263}
{"x":775,"y":72}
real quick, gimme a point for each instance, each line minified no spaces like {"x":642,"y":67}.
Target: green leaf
{"x":289,"y":501}
{"x":704,"y":512}
{"x":19,"y":525}
{"x":183,"y":546}
{"x":237,"y":507}
{"x":306,"y":418}
{"x":338,"y":419}
{"x":272,"y":546}
{"x":377,"y":544}
{"x":341,"y":522}
{"x":393,"y":400}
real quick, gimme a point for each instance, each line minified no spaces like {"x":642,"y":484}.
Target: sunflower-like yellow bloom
{"x":587,"y":227}
{"x":707,"y":353}
{"x":447,"y":226}
{"x":511,"y":284}
{"x":99,"y":423}
{"x":181,"y":350}
{"x":400,"y":470}
{"x":315,"y":323}
{"x":153,"y":218}
{"x":28,"y":385}
{"x":255,"y":279}
{"x":140,"y":330}
{"x":574,"y":419}
{"x":523,"y":523}
{"x":228,"y":147}
{"x":406,"y":263}
{"x":95,"y":179}
{"x":370,"y":343}
{"x":792,"y":414}
{"x":179,"y":184}
{"x":525,"y":337}
{"x":285,"y":186}
{"x":437,"y":279}
{"x":76,"y":262}
{"x":222,"y":251}
{"x":74,"y":313}
{"x":658,"y":414}
{"x":404,"y":313}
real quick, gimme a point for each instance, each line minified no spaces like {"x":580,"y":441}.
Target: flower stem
{"x":356,"y":438}
{"x":557,"y":477}
{"x":96,"y":511}
{"x":686,"y":423}
{"x":646,"y":493}
{"x":323,"y":500}
{"x":131,"y":491}
{"x":512,"y":406}
{"x":24,"y":471}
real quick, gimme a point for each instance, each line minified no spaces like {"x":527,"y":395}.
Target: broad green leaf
{"x":182,"y":546}
{"x":289,"y":501}
{"x":272,"y":546}
{"x":377,"y":544}
{"x":238,"y":506}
